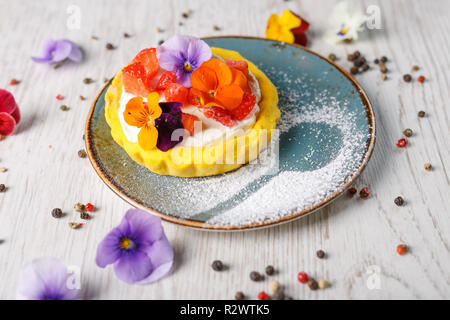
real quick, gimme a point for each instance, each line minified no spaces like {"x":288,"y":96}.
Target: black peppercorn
{"x":57,"y":213}
{"x":109,"y":46}
{"x":356,"y":54}
{"x":239,"y":295}
{"x":320,"y":253}
{"x":217,"y":265}
{"x":85,"y":216}
{"x":376,"y":61}
{"x":354,"y":70}
{"x":2,"y":187}
{"x":312,"y":284}
{"x":421,"y":114}
{"x":256,"y":276}
{"x":270,"y":270}
{"x":407,"y":78}
{"x":332,"y":57}
{"x":82,"y":153}
{"x":399,"y":201}
{"x":365,"y":67}
{"x":351,"y":191}
{"x":350,"y":57}
{"x":384,"y":59}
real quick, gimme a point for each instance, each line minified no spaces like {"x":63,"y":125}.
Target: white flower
{"x":346,"y":21}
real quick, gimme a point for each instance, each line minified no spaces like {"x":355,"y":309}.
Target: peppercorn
{"x":350,"y":57}
{"x":85,"y":216}
{"x":126,"y":35}
{"x":399,"y":201}
{"x":384,"y":59}
{"x":332,"y":57}
{"x":64,"y":107}
{"x":312,"y":284}
{"x":256,"y":276}
{"x":79,"y":207}
{"x":365,"y":67}
{"x":354,"y":70}
{"x":239,"y":295}
{"x":407,"y":78}
{"x":323,"y":284}
{"x":320,"y":253}
{"x":82,"y":153}
{"x":274,"y":286}
{"x":364,"y":193}
{"x":408,"y":132}
{"x":401,"y":143}
{"x":376,"y":61}
{"x":302,"y":277}
{"x":110,"y":46}
{"x":87,"y":80}
{"x":357,"y":63}
{"x":356,"y":54}
{"x":421,"y":79}
{"x":263,"y":296}
{"x":2,"y":187}
{"x":428,"y":166}
{"x":278,"y":295}
{"x":270,"y":270}
{"x":94,"y":37}
{"x":160,"y":42}
{"x":217,"y":265}
{"x":57,"y":213}
{"x":216,"y":28}
{"x":82,"y":98}
{"x":402,"y":249}
{"x":363,"y":60}
{"x":351,"y":191}
{"x":421,"y":114}
{"x":415,"y":68}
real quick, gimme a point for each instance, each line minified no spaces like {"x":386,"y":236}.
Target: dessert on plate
{"x":185,"y":109}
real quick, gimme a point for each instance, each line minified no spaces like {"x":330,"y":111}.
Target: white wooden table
{"x":359,"y":236}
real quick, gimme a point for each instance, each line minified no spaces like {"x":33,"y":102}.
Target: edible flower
{"x":289,"y":28}
{"x":138,"y":248}
{"x":54,"y":51}
{"x":216,"y":84}
{"x":346,"y":21}
{"x":182,"y":55}
{"x":157,"y":121}
{"x":47,"y":279}
{"x":9,"y":113}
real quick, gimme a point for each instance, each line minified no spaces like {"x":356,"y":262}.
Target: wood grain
{"x":44,"y":170}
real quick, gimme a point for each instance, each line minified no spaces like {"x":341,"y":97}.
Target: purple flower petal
{"x":167,"y":123}
{"x":133,"y":266}
{"x":198,"y":52}
{"x":57,"y":51}
{"x":161,"y":256}
{"x":175,"y":43}
{"x":171,"y":60}
{"x":109,"y":250}
{"x":145,"y":228}
{"x":45,"y":279}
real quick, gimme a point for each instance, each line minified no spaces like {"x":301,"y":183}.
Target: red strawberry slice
{"x":149,"y":60}
{"x":188,"y":121}
{"x":244,"y":109}
{"x":193,"y":97}
{"x":220,"y":115}
{"x":238,"y":64}
{"x":135,"y":80}
{"x":167,"y":78}
{"x":176,"y":93}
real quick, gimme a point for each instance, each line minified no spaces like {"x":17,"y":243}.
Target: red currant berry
{"x":59,"y":97}
{"x":263,"y":296}
{"x":402,"y":249}
{"x":421,"y":79}
{"x":402,"y":143}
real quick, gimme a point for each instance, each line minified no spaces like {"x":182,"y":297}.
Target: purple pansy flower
{"x":167,"y":123}
{"x":182,"y":55}
{"x":57,"y":51}
{"x":138,"y":248}
{"x":46,"y":279}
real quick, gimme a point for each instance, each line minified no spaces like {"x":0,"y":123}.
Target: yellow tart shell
{"x":199,"y":161}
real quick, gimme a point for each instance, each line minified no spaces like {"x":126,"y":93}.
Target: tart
{"x":187,"y":110}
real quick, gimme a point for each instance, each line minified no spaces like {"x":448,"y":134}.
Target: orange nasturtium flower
{"x":216,"y":84}
{"x":143,"y":115}
{"x":289,"y":28}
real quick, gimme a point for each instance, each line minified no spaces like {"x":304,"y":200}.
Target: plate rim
{"x":198,"y":225}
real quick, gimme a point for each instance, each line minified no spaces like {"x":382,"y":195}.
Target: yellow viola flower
{"x":289,"y":28}
{"x":143,"y":115}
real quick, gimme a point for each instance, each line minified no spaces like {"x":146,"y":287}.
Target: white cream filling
{"x":211,"y":129}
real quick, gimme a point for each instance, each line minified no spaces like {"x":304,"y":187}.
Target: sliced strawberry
{"x":193,"y":97}
{"x":135,"y":80}
{"x":188,"y":121}
{"x":149,"y":60}
{"x":167,"y":78}
{"x":220,"y":115}
{"x":7,"y":124}
{"x":176,"y":93}
{"x":244,"y":109}
{"x":238,"y":64}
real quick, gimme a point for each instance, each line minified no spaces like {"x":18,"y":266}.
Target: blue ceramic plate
{"x":327,"y":134}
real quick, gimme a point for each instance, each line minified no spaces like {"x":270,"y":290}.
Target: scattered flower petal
{"x":138,"y":248}
{"x":54,"y":51}
{"x":46,"y":279}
